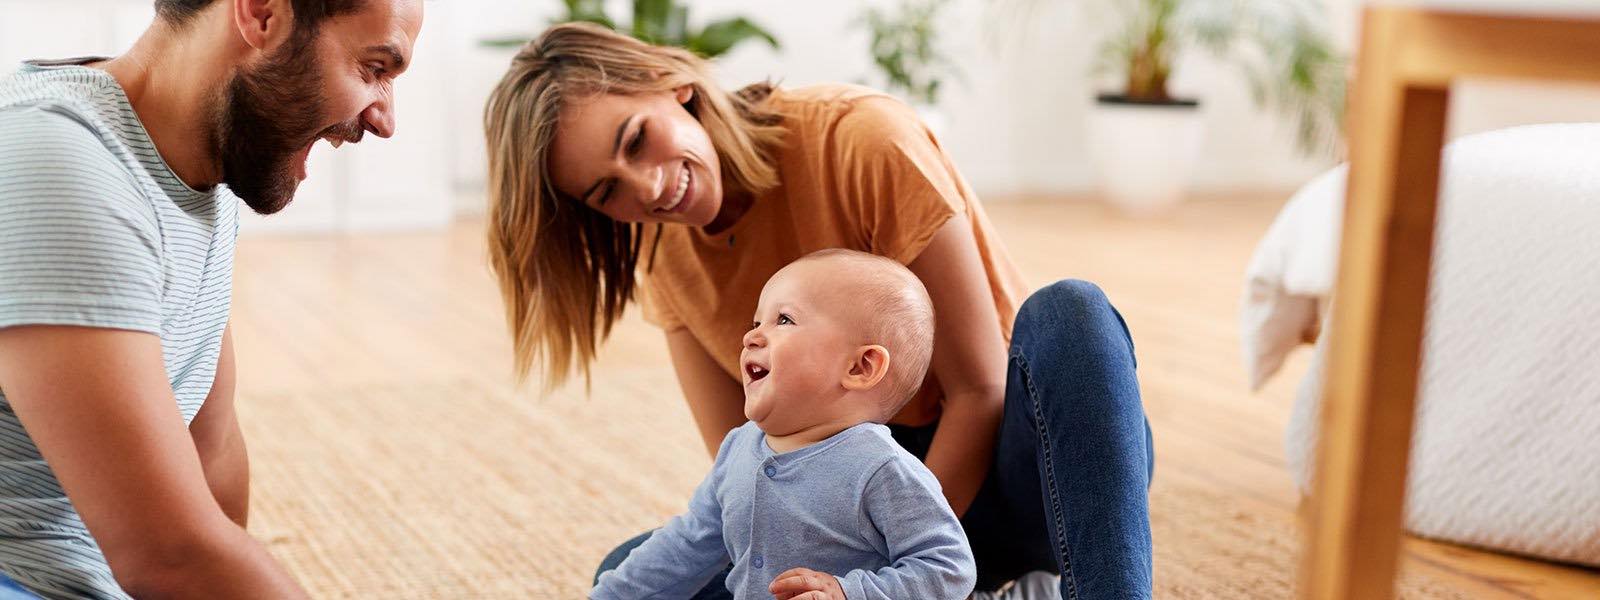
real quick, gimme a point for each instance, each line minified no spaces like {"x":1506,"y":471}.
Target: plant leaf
{"x":650,"y":20}
{"x":503,"y":42}
{"x":719,"y":37}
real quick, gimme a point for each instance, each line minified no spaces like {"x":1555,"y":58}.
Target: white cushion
{"x":1291,"y":275}
{"x":1506,"y":450}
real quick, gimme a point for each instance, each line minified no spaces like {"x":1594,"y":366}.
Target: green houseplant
{"x":905,"y":52}
{"x":1144,"y":140}
{"x":904,"y":49}
{"x":661,"y":22}
{"x":1288,"y":58}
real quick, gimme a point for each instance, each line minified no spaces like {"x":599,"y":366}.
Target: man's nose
{"x":379,"y":117}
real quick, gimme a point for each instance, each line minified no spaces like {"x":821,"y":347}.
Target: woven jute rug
{"x":456,"y":490}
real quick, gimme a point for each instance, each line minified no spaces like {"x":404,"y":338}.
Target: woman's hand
{"x":801,"y":583}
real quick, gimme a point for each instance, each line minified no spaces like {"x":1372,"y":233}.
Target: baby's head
{"x":839,"y":337}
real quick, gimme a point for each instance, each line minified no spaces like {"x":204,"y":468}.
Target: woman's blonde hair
{"x":565,"y":270}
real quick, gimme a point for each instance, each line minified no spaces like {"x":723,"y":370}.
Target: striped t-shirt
{"x":96,"y":230}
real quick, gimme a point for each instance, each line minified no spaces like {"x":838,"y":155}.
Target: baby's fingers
{"x":795,"y":582}
{"x":811,"y":595}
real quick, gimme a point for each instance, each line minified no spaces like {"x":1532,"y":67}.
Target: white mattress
{"x":1506,"y":451}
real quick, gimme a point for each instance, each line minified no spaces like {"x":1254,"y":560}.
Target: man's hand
{"x":805,"y":584}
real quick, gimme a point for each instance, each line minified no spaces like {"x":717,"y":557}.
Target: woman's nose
{"x":646,"y":182}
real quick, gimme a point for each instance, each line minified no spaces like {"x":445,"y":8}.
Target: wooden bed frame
{"x":1407,"y":60}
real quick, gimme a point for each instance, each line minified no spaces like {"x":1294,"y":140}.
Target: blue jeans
{"x":11,"y":590}
{"x":1068,"y":490}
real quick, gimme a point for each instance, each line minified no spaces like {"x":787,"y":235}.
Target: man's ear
{"x":262,"y":23}
{"x":868,"y":366}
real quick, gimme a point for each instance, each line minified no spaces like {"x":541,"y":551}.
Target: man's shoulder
{"x":47,"y":138}
{"x":59,"y":137}
{"x":47,"y":153}
{"x":45,"y":110}
{"x":81,"y":91}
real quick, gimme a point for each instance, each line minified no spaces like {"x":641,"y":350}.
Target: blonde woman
{"x":620,"y":169}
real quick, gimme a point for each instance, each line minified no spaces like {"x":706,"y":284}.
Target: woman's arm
{"x":969,"y":360}
{"x":715,"y":398}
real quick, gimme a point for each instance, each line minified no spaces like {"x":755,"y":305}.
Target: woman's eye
{"x":785,"y":320}
{"x":604,"y":194}
{"x":637,"y":143}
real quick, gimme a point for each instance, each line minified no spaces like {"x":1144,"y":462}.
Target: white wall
{"x":1483,"y":105}
{"x":399,"y":183}
{"x":1014,"y":118}
{"x":1014,"y":124}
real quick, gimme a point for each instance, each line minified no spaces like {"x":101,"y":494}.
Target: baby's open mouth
{"x":755,"y":372}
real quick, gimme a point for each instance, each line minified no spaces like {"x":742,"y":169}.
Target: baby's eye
{"x":785,"y":320}
{"x":755,"y":324}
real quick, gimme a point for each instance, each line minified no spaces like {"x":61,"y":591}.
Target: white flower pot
{"x":1143,"y":154}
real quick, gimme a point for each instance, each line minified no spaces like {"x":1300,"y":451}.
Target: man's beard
{"x":269,"y":114}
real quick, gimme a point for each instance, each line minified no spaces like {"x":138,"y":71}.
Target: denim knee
{"x":1060,"y":295}
{"x":620,"y":553}
{"x":1058,"y":315}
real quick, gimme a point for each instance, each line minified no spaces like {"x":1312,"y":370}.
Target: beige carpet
{"x":452,"y":490}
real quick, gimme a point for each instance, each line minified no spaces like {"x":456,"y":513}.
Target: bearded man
{"x":122,"y":468}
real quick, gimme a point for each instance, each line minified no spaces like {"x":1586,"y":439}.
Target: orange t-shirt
{"x":858,"y":170}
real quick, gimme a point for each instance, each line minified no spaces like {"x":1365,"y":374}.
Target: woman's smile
{"x":678,"y":193}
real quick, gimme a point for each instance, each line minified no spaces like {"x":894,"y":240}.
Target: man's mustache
{"x":350,"y":132}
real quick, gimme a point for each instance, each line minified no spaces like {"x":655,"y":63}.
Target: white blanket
{"x":1506,"y":450}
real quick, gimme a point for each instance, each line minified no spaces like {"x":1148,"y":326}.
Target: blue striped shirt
{"x":96,"y":230}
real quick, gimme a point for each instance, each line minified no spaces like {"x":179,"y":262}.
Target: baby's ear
{"x":868,"y":366}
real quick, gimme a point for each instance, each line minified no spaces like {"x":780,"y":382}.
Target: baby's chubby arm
{"x":680,"y":558}
{"x":930,"y":557}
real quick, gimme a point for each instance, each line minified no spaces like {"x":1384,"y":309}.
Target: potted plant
{"x":660,"y":22}
{"x":905,"y":52}
{"x":1144,"y":140}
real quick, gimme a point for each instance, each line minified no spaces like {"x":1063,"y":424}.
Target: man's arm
{"x":98,"y":405}
{"x":220,"y":443}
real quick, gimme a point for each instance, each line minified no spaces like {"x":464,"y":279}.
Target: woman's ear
{"x":868,"y":367}
{"x":684,"y":93}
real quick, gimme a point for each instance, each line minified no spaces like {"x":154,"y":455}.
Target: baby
{"x":812,"y":499}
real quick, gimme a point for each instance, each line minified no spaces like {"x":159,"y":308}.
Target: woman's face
{"x":637,"y":158}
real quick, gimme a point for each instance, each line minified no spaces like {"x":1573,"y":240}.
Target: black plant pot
{"x":1123,"y":100}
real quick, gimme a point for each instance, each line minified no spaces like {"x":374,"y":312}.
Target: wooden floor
{"x":318,"y":318}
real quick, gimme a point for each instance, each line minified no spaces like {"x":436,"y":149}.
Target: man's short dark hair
{"x":306,"y":12}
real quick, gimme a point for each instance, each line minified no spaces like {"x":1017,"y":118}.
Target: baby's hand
{"x":806,"y":584}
